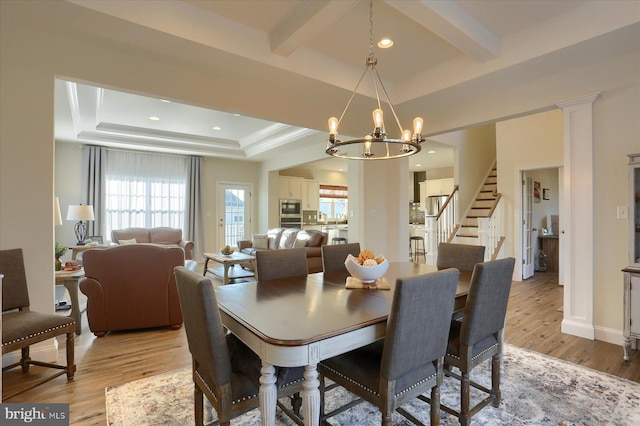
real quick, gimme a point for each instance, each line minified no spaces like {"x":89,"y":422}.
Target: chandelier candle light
{"x":82,"y":214}
{"x":376,"y":145}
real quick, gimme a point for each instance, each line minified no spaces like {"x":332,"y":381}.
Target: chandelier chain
{"x":371,"y":29}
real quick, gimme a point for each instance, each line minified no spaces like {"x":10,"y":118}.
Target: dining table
{"x":300,"y":321}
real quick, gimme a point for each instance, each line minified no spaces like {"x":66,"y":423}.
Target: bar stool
{"x":338,"y":240}
{"x":416,"y":248}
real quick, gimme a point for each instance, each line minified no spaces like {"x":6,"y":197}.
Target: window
{"x":145,"y":190}
{"x":334,"y":201}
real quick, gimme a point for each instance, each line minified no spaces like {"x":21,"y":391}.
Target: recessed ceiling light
{"x":237,"y":115}
{"x":154,"y":118}
{"x":340,"y":170}
{"x":164,"y":100}
{"x":217,"y":128}
{"x":418,"y":165}
{"x":385,"y":43}
{"x":431,"y":152}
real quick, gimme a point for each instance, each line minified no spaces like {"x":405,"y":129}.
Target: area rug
{"x":536,"y":390}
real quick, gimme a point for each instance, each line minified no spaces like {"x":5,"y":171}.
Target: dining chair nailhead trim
{"x":426,"y":379}
{"x":371,"y":391}
{"x":235,"y":401}
{"x":476,"y":356}
{"x":34,"y":334}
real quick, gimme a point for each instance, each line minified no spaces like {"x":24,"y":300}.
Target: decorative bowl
{"x":227,"y":251}
{"x":366,"y":274}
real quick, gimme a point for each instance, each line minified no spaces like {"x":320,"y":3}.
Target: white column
{"x":577,"y":223}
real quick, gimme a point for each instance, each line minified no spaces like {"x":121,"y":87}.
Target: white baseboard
{"x":578,"y":329}
{"x":609,"y":335}
{"x":44,"y":351}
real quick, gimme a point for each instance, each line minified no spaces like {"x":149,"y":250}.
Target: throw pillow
{"x":300,"y":242}
{"x":260,"y":241}
{"x":127,"y":242}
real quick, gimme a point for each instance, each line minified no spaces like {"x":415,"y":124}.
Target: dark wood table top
{"x":303,"y":310}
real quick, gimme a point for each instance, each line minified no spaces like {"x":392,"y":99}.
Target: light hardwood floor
{"x":533,"y":323}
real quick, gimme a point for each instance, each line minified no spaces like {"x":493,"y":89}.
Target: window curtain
{"x":194,"y":229}
{"x":145,"y":190}
{"x":93,"y":182}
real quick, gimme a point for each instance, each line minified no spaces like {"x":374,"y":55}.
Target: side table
{"x":71,"y":280}
{"x":229,"y":261}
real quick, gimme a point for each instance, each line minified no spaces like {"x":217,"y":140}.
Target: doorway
{"x":234,"y":213}
{"x":541,"y":216}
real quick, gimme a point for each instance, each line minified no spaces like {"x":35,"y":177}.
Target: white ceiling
{"x":443,"y":51}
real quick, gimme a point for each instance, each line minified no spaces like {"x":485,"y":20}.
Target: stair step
{"x":466,"y":236}
{"x":473,"y":216}
{"x":468,"y":226}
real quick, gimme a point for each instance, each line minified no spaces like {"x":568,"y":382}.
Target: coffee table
{"x":227,"y":269}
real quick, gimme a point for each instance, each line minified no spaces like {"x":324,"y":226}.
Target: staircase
{"x":482,"y":207}
{"x":482,"y":225}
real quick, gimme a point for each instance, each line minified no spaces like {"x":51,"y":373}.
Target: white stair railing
{"x":440,"y":228}
{"x":490,"y":230}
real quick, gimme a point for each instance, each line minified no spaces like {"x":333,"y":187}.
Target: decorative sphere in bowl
{"x":227,"y":250}
{"x":367,"y":274}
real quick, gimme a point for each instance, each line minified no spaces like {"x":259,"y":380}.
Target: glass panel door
{"x":234,"y":214}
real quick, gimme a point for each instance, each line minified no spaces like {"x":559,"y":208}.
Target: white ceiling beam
{"x":450,"y":22}
{"x":306,"y":21}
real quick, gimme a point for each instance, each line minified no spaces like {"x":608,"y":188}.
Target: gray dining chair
{"x":283,"y":263}
{"x":333,"y":256}
{"x":478,"y":337}
{"x":225,"y":370}
{"x":22,"y":327}
{"x":408,"y":362}
{"x":463,"y":257}
{"x":460,"y":256}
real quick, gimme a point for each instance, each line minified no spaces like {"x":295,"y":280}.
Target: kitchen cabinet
{"x":631,"y":328}
{"x":435,"y":187}
{"x":310,"y":195}
{"x":291,"y":187}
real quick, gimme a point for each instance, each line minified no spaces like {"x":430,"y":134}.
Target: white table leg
{"x":311,"y":396}
{"x":268,"y":395}
{"x":225,"y":279}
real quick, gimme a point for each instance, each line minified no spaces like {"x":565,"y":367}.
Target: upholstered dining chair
{"x":333,"y":256}
{"x":478,"y":337}
{"x":283,"y":263}
{"x":463,"y":257}
{"x":22,"y":327}
{"x":225,"y":370}
{"x":460,"y":256}
{"x":408,"y":362}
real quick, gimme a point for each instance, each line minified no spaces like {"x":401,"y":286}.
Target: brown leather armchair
{"x":131,"y":287}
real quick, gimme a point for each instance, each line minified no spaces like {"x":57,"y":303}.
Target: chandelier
{"x":375,"y":145}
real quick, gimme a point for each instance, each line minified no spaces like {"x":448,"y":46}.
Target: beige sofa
{"x":163,"y":236}
{"x":284,"y":238}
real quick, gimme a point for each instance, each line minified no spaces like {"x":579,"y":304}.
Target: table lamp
{"x":81,"y":214}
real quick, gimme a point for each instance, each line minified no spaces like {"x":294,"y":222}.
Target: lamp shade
{"x":56,"y":211}
{"x":80,"y":212}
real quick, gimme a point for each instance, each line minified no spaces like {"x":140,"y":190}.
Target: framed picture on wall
{"x":536,"y":192}
{"x":545,"y":193}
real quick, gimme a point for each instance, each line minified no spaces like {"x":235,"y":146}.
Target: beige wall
{"x":526,"y":143}
{"x":616,"y":134}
